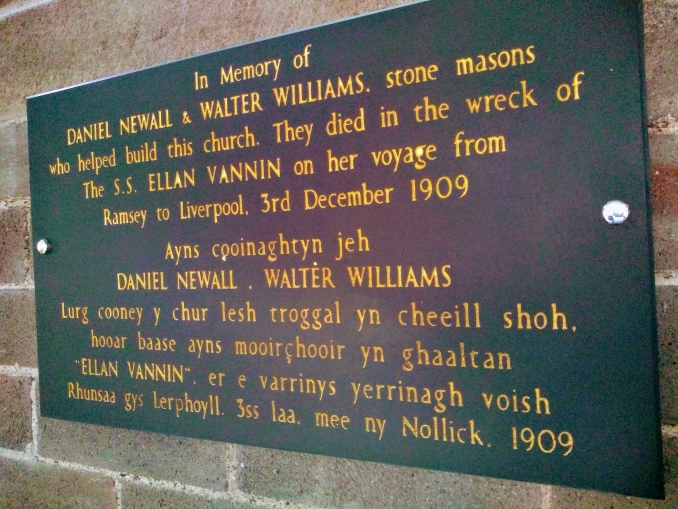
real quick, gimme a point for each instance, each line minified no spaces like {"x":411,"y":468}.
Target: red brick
{"x":136,"y":496}
{"x":14,"y":179}
{"x":667,"y":317}
{"x":72,"y":41}
{"x":661,"y":57}
{"x":15,"y":261}
{"x":332,"y":482}
{"x":186,"y":460}
{"x":15,"y":409}
{"x":18,"y":342}
{"x":40,"y":486}
{"x":664,"y":172}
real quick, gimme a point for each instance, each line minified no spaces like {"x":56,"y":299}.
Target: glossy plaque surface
{"x":379,"y":239}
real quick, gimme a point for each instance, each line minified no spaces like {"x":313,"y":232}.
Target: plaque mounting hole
{"x":615,"y":212}
{"x":43,"y":246}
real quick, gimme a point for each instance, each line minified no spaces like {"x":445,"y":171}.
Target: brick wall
{"x":48,"y":44}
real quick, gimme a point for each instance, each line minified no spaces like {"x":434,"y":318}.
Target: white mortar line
{"x":121,"y":477}
{"x":671,"y":128}
{"x":546,"y":497}
{"x":16,"y":120}
{"x":17,"y":7}
{"x":26,"y":285}
{"x":34,"y":416}
{"x":28,"y":458}
{"x":118,"y":493}
{"x":666,"y":278}
{"x":17,"y":370}
{"x":231,"y":461}
{"x":17,"y":201}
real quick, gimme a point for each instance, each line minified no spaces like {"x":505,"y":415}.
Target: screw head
{"x":43,"y":246}
{"x":615,"y":212}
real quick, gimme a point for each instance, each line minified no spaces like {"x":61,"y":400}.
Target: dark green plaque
{"x":379,"y":239}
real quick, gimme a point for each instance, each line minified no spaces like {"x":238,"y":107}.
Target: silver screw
{"x":615,"y":212}
{"x":43,"y":246}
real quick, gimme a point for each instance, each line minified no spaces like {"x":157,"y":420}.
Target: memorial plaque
{"x":379,"y":239}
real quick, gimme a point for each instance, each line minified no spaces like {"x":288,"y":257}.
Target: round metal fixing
{"x":43,"y":246}
{"x":615,"y":212}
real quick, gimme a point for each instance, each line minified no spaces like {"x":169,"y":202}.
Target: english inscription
{"x":379,"y":239}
